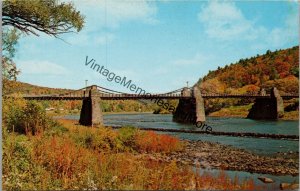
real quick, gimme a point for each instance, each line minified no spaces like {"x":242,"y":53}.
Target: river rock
{"x":265,"y":179}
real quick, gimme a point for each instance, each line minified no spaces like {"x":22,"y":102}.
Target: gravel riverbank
{"x":217,"y":156}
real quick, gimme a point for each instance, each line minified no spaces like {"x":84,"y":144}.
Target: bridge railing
{"x":107,"y":93}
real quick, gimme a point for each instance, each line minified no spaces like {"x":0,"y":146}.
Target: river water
{"x":261,"y":146}
{"x":256,"y":145}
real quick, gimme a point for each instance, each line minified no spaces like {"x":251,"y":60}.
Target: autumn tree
{"x":34,"y":17}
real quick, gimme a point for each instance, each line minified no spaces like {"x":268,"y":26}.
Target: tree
{"x":268,"y":52}
{"x":9,"y":41}
{"x":274,"y":74}
{"x":295,"y":71}
{"x":49,"y":16}
{"x":32,"y":17}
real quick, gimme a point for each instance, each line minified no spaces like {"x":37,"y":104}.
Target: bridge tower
{"x":267,"y":108}
{"x":190,"y":110}
{"x":91,"y":113}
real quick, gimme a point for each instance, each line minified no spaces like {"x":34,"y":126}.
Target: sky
{"x":159,"y":45}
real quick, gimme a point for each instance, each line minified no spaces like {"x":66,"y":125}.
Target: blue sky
{"x":159,"y":45}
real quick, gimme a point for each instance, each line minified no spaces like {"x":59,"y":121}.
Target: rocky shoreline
{"x":217,"y":156}
{"x":219,"y":133}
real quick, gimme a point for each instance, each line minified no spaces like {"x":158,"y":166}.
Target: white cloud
{"x":118,"y":11}
{"x":41,"y":67}
{"x":282,"y":35}
{"x":225,"y":21}
{"x":113,"y":12}
{"x":102,"y":16}
{"x":85,"y":38}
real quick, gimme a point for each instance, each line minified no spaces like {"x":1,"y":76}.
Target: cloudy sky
{"x":159,"y":45}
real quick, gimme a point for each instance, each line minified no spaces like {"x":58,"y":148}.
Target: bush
{"x":98,"y":139}
{"x":149,"y":141}
{"x":19,"y":169}
{"x":13,"y":111}
{"x":24,"y":116}
{"x":56,"y":130}
{"x":126,"y":138}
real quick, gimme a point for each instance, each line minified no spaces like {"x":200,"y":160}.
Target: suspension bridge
{"x":190,"y":108}
{"x":108,"y":94}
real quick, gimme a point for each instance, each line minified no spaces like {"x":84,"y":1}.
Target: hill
{"x":273,"y":69}
{"x":74,"y":106}
{"x":278,"y":69}
{"x":10,"y":86}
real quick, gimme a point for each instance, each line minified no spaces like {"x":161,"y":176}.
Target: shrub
{"x":24,"y":116}
{"x":19,"y":169}
{"x":98,"y":139}
{"x":13,"y":111}
{"x":150,"y":141}
{"x":66,"y":162}
{"x":126,"y":138}
{"x":56,"y":129}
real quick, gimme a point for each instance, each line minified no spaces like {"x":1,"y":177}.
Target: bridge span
{"x":189,"y":110}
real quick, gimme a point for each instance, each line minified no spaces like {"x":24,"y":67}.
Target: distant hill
{"x":279,"y":69}
{"x":10,"y":86}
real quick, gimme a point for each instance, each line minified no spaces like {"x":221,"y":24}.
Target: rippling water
{"x":257,"y":145}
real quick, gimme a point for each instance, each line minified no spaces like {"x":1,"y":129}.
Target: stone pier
{"x":267,"y":108}
{"x":190,"y":110}
{"x":91,"y":113}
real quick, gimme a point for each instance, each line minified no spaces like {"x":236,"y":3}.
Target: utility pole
{"x":86,"y":84}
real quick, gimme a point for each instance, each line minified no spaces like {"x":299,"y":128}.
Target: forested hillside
{"x":74,"y":106}
{"x":273,"y":69}
{"x":10,"y":86}
{"x":278,"y":69}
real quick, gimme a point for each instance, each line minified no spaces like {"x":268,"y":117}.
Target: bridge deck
{"x":149,"y":97}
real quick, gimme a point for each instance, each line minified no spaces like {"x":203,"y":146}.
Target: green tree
{"x":50,"y":17}
{"x":274,"y":74}
{"x":9,"y":41}
{"x":295,"y":71}
{"x":34,"y":17}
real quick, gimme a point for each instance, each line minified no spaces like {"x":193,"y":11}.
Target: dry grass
{"x":80,"y":157}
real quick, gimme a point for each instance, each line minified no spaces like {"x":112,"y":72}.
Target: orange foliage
{"x":258,"y":71}
{"x":62,"y":157}
{"x":69,"y":165}
{"x":150,"y":141}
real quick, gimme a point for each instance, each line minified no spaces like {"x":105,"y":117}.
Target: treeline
{"x":15,"y":87}
{"x":279,"y":68}
{"x":74,"y":106}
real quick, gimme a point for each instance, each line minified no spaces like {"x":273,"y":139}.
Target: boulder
{"x":265,"y":179}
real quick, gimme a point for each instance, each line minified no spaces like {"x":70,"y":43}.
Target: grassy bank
{"x":70,"y":156}
{"x":42,"y":154}
{"x":232,"y":111}
{"x":242,"y":111}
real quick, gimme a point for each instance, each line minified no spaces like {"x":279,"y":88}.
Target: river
{"x":261,"y":146}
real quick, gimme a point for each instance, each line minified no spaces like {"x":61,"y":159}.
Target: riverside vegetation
{"x":40,"y":153}
{"x":273,"y":69}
